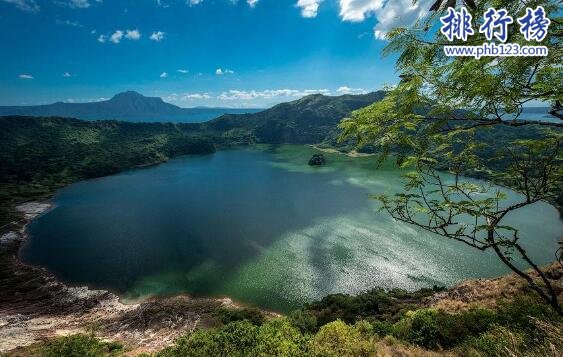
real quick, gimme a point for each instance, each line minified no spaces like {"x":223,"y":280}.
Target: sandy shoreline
{"x":352,"y":153}
{"x":35,"y":306}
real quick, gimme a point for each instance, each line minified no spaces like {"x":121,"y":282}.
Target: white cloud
{"x":251,"y":3}
{"x":191,"y":96}
{"x":163,"y":75}
{"x":68,"y":23}
{"x":157,"y":36}
{"x":162,"y":4}
{"x":358,"y":10}
{"x":67,"y":75}
{"x":388,"y":14}
{"x":133,"y":35}
{"x":268,"y":94}
{"x":399,"y":13}
{"x":82,"y":4}
{"x":174,"y":97}
{"x":193,"y":2}
{"x":74,"y":4}
{"x":102,"y":38}
{"x":348,"y":90}
{"x":25,"y":5}
{"x":116,"y":36}
{"x":309,"y":8}
{"x":183,"y":71}
{"x":26,"y":76}
{"x":221,"y":72}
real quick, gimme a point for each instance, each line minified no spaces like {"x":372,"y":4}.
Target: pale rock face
{"x":9,"y":237}
{"x":33,"y":209}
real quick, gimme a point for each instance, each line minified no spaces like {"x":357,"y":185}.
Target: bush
{"x":382,"y":328}
{"x":234,"y":339}
{"x":340,"y":339}
{"x":423,"y":329}
{"x":497,"y":342}
{"x":254,"y":316}
{"x":431,"y":328}
{"x":80,"y":346}
{"x":375,"y":304}
{"x":304,"y":320}
{"x":279,"y":337}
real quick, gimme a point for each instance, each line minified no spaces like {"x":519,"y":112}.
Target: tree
{"x":434,"y":120}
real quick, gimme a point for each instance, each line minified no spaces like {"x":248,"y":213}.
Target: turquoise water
{"x":258,"y":225}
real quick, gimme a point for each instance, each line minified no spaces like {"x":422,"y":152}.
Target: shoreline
{"x":54,"y":308}
{"x":352,"y":153}
{"x":35,"y":305}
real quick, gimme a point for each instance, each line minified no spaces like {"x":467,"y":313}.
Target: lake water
{"x":258,"y":225}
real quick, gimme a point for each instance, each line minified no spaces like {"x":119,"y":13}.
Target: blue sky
{"x":245,"y":53}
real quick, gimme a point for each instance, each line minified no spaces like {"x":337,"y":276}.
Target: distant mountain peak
{"x":131,"y":95}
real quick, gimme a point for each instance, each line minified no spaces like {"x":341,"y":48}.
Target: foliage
{"x":80,"y":346}
{"x":339,"y":339}
{"x":253,"y":315}
{"x":440,"y":118}
{"x":375,"y":304}
{"x":524,"y":325}
{"x":39,"y":155}
{"x":276,"y":337}
{"x":494,"y":342}
{"x":435,"y":328}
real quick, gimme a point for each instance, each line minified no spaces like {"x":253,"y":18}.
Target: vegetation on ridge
{"x":442,"y":138}
{"x":40,"y":155}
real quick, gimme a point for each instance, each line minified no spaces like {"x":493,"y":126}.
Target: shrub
{"x":340,"y":339}
{"x":80,"y":346}
{"x":382,"y":328}
{"x":304,"y":320}
{"x":279,"y":337}
{"x":196,"y":344}
{"x":234,"y":339}
{"x":500,"y":341}
{"x":252,"y":315}
{"x":431,"y":328}
{"x":424,"y":329}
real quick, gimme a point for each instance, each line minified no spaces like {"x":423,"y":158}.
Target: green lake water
{"x":258,"y":225}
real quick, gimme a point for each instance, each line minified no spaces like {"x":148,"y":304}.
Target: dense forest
{"x":39,"y":155}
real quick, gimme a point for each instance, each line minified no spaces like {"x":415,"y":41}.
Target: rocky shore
{"x":35,"y":306}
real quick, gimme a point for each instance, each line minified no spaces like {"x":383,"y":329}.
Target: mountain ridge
{"x":127,"y":106}
{"x":307,"y":120}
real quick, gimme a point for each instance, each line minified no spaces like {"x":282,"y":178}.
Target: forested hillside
{"x":39,"y":155}
{"x":304,"y":121}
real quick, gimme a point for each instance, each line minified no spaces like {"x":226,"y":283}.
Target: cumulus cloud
{"x":348,"y":90}
{"x":82,"y":4}
{"x":74,"y":4}
{"x":193,"y":2}
{"x":102,"y":38}
{"x":25,"y":76}
{"x":268,"y":94}
{"x":157,"y":36}
{"x":183,"y":71}
{"x":67,"y":75}
{"x":68,"y":23}
{"x":185,"y":97}
{"x":25,"y":5}
{"x":251,"y":3}
{"x":163,"y":75}
{"x":309,"y":8}
{"x":399,"y":13}
{"x":116,"y":36}
{"x":133,"y":35}
{"x":221,"y":72}
{"x":358,"y":10}
{"x":388,"y":14}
